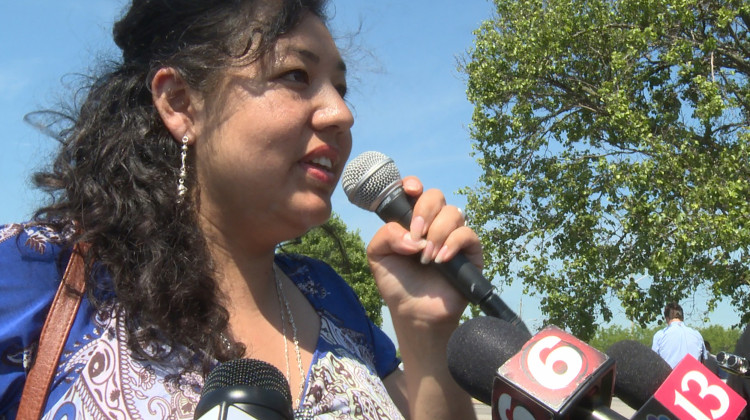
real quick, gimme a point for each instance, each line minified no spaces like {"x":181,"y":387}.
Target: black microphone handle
{"x":463,"y":275}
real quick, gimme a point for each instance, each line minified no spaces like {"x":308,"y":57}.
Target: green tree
{"x":613,"y":137}
{"x":605,"y":337}
{"x":345,"y":252}
{"x":720,"y":338}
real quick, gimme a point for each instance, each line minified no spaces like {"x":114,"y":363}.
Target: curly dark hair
{"x":114,"y":179}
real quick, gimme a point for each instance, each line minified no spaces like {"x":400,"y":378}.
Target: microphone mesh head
{"x":367,"y":176}
{"x":249,"y":372}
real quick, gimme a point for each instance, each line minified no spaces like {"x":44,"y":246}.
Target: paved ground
{"x":484,"y":412}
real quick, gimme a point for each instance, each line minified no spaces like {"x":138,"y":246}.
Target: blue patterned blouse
{"x":98,"y":379}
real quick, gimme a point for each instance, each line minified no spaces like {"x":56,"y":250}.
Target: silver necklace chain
{"x":284,"y":304}
{"x":285,"y":311}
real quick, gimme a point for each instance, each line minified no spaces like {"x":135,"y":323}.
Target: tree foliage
{"x":605,"y":337}
{"x":345,"y":252}
{"x":719,"y":337}
{"x":613,"y":137}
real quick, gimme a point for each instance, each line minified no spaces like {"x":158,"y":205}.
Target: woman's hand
{"x":424,"y":306}
{"x":415,"y":292}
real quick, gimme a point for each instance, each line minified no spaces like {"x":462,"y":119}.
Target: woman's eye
{"x":297,"y":76}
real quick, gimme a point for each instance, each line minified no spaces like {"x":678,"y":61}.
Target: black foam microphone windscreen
{"x":477,"y":348}
{"x":640,"y":372}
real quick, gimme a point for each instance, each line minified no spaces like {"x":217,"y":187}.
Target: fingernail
{"x":441,"y":255}
{"x":419,"y":243}
{"x":410,"y":184}
{"x":417,"y":227}
{"x":426,"y":256}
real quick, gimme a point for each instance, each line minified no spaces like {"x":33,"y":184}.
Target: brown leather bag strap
{"x":55,"y":332}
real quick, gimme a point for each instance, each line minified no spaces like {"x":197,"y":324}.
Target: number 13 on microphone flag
{"x":553,"y":373}
{"x":692,"y":392}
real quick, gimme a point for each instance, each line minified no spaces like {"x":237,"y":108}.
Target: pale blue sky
{"x":405,"y":89}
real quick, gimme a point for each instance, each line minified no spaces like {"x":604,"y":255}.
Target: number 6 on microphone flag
{"x":552,"y":374}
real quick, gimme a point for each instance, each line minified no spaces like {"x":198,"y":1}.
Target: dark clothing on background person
{"x":737,"y":383}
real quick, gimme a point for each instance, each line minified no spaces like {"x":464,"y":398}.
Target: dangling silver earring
{"x":181,"y":188}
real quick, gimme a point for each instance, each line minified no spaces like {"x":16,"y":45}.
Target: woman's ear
{"x":175,"y":102}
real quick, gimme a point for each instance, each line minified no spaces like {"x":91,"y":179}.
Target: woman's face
{"x":271,"y":145}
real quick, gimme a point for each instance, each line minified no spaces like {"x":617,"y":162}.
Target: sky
{"x":405,"y":89}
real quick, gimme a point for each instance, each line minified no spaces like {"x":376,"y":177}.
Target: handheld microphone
{"x":552,"y":375}
{"x":245,"y":389}
{"x":732,"y":363}
{"x":688,"y":392}
{"x":372,"y":181}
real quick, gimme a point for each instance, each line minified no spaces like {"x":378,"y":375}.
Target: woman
{"x":222,"y":133}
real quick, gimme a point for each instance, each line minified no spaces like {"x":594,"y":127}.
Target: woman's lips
{"x":321,"y":168}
